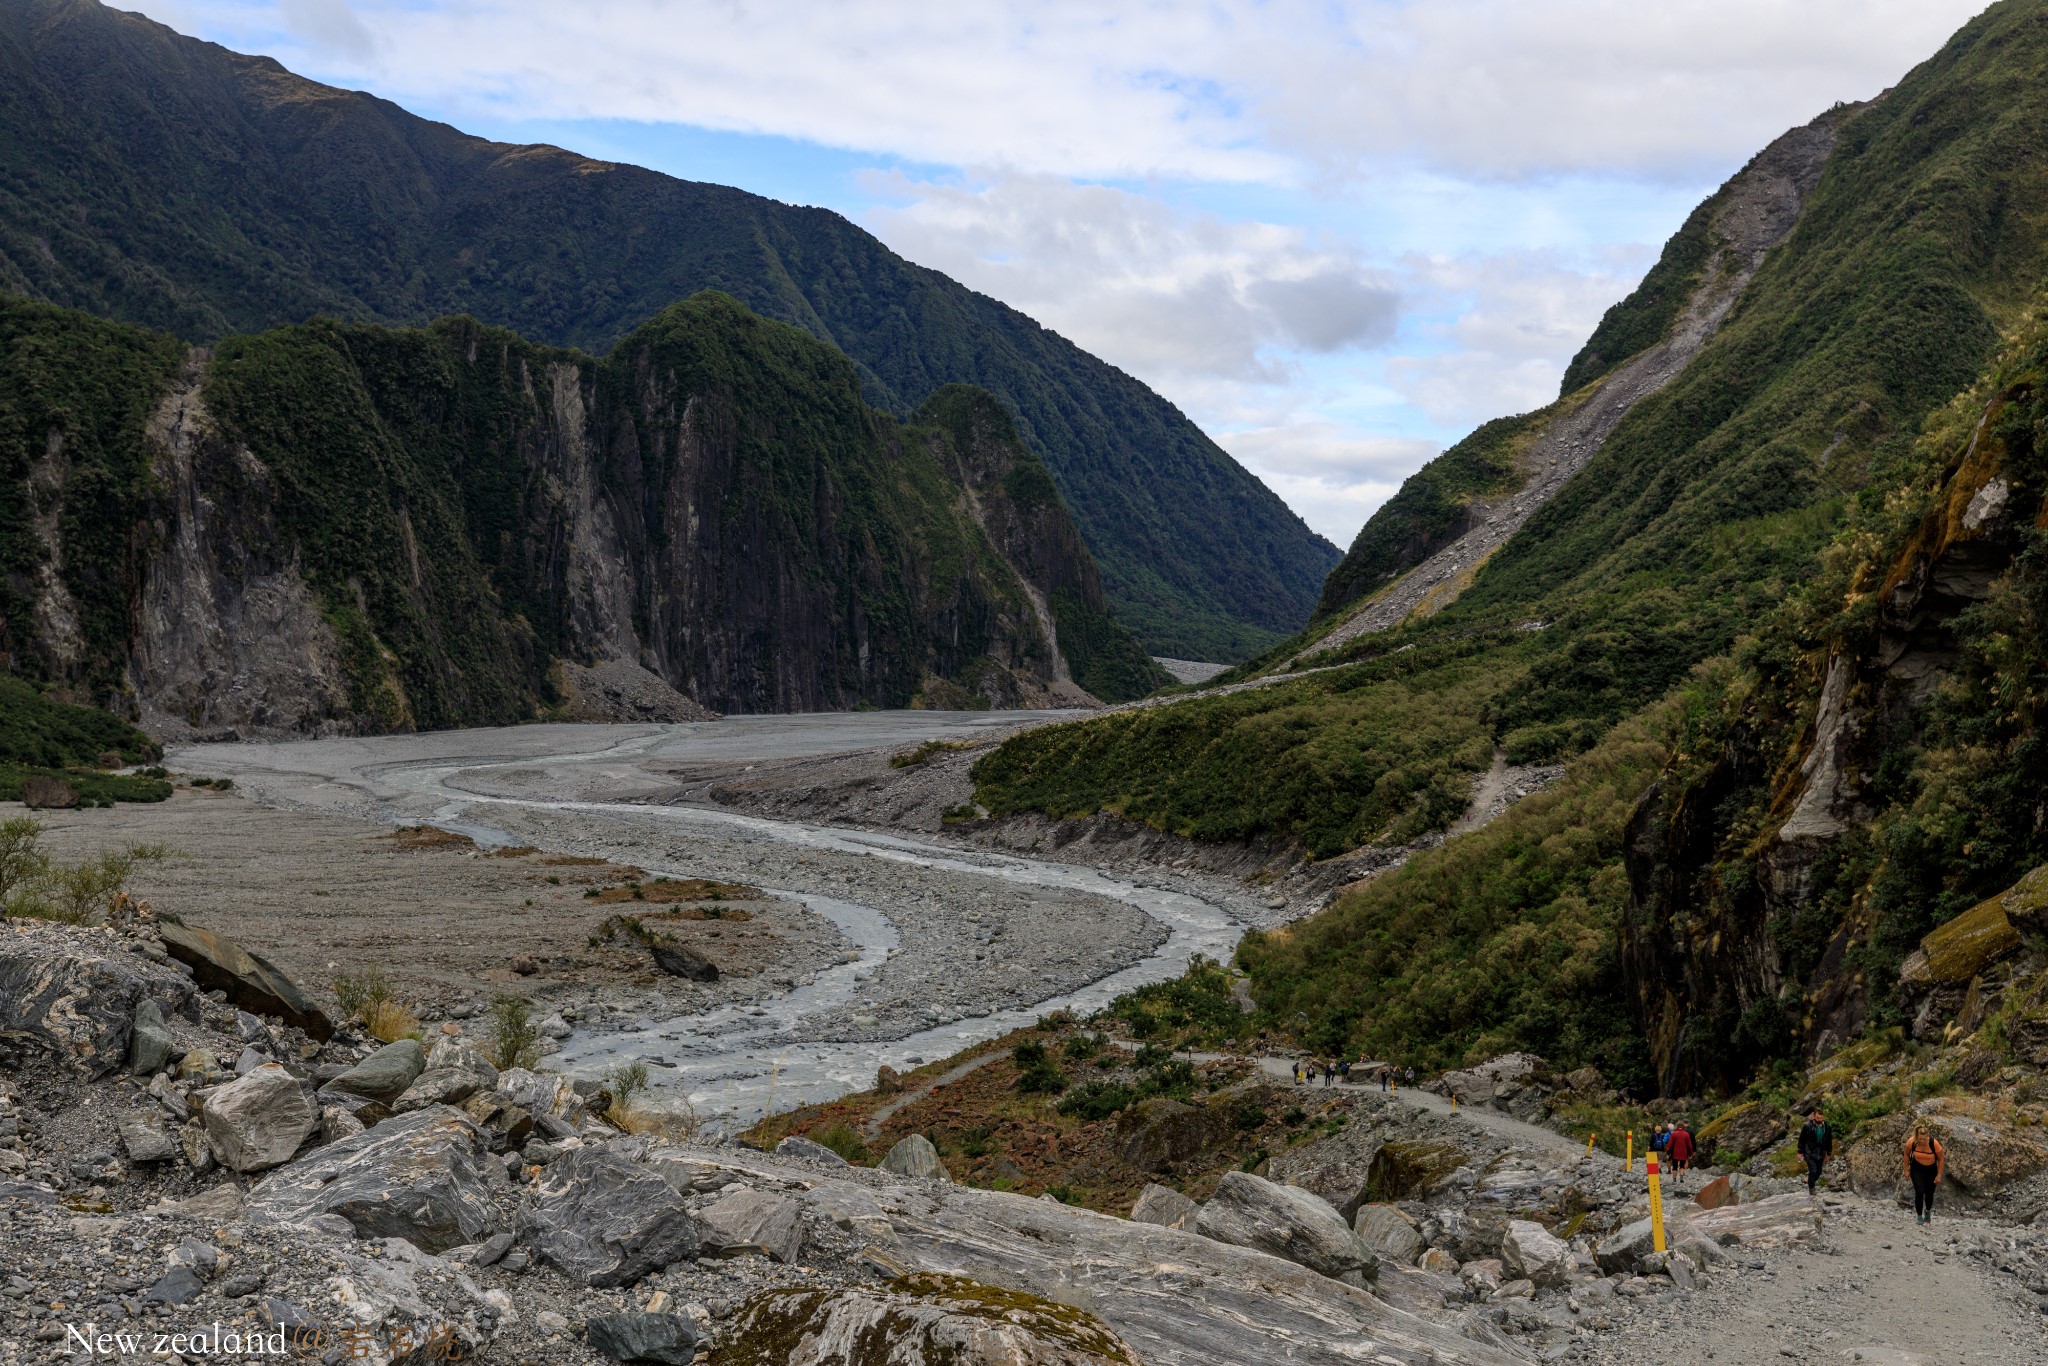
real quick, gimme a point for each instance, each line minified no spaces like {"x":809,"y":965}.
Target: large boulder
{"x":1406,"y":1170}
{"x":680,"y":960}
{"x":921,"y":1318}
{"x":146,"y":1139}
{"x":1159,"y":1133}
{"x":1336,"y":1168}
{"x":1630,"y":1247}
{"x":68,"y":998}
{"x":250,"y":980}
{"x":636,"y":1339}
{"x":914,"y":1156}
{"x":40,"y":791}
{"x":424,"y":1177}
{"x":1165,"y":1206}
{"x":1391,"y":1234}
{"x":258,"y":1121}
{"x":505,"y":1126}
{"x":440,"y":1086}
{"x":1529,"y":1252}
{"x":810,"y":1150}
{"x":755,"y":1219}
{"x":542,"y":1095}
{"x":1985,"y":1153}
{"x":382,"y":1077}
{"x":1286,"y":1221}
{"x":602,"y":1220}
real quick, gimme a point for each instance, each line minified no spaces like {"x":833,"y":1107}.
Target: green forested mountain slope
{"x":346,"y":525}
{"x":1922,"y":238}
{"x":154,"y":179}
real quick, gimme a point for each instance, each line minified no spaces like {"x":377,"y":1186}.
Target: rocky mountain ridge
{"x":334,"y":528}
{"x":159,"y":180}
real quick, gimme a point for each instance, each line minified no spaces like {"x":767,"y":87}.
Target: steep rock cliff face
{"x":334,"y":527}
{"x":1876,"y":773}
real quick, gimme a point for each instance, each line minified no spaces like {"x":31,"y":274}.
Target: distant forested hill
{"x":154,"y":179}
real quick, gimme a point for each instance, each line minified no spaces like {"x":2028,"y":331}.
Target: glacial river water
{"x":737,"y":1063}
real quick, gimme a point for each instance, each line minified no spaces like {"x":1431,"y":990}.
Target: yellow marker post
{"x":1628,"y":1163}
{"x":1656,"y":1203}
{"x":1454,"y":1102}
{"x":1589,"y":1143}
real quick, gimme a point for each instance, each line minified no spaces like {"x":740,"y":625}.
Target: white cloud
{"x":1220,"y":90}
{"x":1160,"y":292}
{"x":329,"y":26}
{"x":1509,"y":324}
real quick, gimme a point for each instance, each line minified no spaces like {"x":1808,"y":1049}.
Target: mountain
{"x":1743,"y":533}
{"x":335,"y":526}
{"x":162,"y":181}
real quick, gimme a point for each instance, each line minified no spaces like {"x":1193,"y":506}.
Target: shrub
{"x":389,"y":1021}
{"x":844,"y":1139}
{"x":510,"y":1040}
{"x":360,"y":993}
{"x":1096,"y":1100}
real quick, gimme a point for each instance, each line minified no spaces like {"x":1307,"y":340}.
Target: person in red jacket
{"x":1679,"y":1147}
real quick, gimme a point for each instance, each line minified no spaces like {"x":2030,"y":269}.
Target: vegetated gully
{"x":738,"y":1063}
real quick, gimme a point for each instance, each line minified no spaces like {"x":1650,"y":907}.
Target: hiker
{"x":1344,"y":1072}
{"x":1678,"y":1143}
{"x":1657,"y":1138}
{"x":1925,"y":1161}
{"x":1816,"y":1145}
{"x":1410,"y":1077}
{"x":1329,"y":1075}
{"x":1384,"y":1071}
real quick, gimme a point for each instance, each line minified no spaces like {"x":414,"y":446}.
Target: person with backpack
{"x":1678,"y":1143}
{"x":1344,"y":1072}
{"x":1816,"y":1145}
{"x":1925,"y":1161}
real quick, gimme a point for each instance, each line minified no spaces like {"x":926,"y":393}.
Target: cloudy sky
{"x":1338,"y":233}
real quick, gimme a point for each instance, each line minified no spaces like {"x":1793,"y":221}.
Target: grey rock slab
{"x":1249,"y":1211}
{"x":150,"y":1045}
{"x":923,"y":1319}
{"x":1775,"y":1221}
{"x":258,"y":1121}
{"x":384,"y":1075}
{"x":796,"y":1145}
{"x":1163,"y":1205}
{"x":653,"y":1339}
{"x":1388,"y":1232}
{"x":914,"y":1156}
{"x":440,"y":1086}
{"x":179,"y":1285}
{"x":1528,"y":1251}
{"x":147,"y":1140}
{"x":604,"y":1221}
{"x":765,"y":1220}
{"x":453,"y":1051}
{"x":423,"y":1177}
{"x":250,"y":980}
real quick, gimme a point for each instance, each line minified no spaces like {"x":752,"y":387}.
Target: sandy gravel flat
{"x":312,"y":890}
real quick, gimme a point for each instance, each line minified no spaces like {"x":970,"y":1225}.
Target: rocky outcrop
{"x":68,"y":998}
{"x":1159,"y":1133}
{"x":602,"y":1220}
{"x":1289,"y":1223}
{"x":1986,"y":1151}
{"x":1389,"y":1232}
{"x":918,"y":1319}
{"x":751,"y":1219}
{"x":1165,"y":1206}
{"x":423,"y":1177}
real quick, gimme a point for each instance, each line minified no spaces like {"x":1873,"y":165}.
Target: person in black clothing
{"x":1816,"y":1145}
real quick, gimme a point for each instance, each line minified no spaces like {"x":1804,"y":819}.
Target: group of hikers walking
{"x":1676,"y":1142}
{"x":1926,"y":1160}
{"x":1339,"y":1073}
